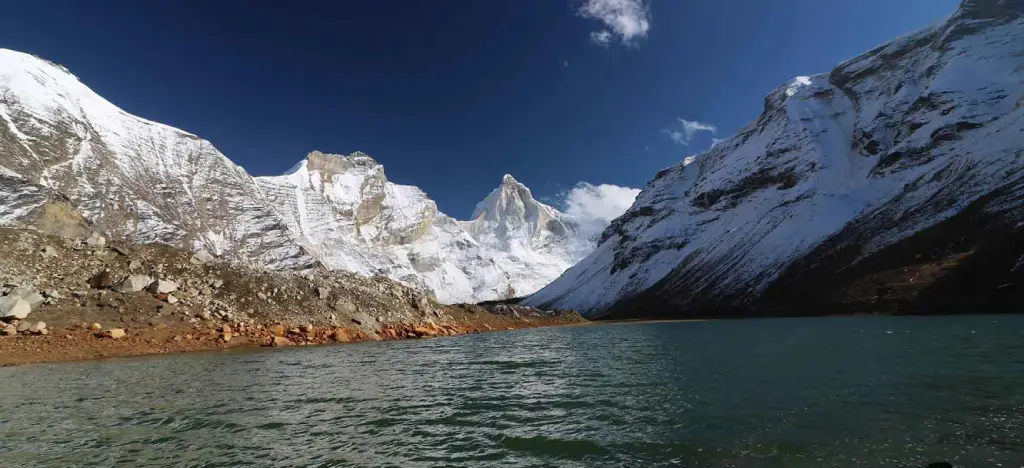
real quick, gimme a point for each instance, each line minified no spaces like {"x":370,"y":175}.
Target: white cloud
{"x":716,"y":141}
{"x":676,"y":136}
{"x":690,"y":128}
{"x":602,"y":38}
{"x":594,"y":206}
{"x":625,"y":20}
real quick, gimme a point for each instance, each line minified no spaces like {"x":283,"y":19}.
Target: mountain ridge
{"x":147,"y":182}
{"x":888,"y":145}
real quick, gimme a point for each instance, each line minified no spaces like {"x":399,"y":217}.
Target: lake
{"x":844,"y":392}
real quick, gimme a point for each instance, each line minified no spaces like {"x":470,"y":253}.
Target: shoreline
{"x":81,"y":344}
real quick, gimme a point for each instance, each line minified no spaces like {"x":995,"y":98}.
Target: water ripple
{"x":757,"y":393}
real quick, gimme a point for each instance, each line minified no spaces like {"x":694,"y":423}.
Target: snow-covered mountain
{"x":906,"y":161}
{"x":345,"y":211}
{"x":148,"y":182}
{"x":133,"y":178}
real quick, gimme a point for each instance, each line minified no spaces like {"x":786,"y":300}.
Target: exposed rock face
{"x":72,"y":164}
{"x":882,"y":186}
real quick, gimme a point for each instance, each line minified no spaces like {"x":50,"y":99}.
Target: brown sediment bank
{"x":78,"y":342}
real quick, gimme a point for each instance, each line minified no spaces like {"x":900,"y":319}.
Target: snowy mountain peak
{"x":510,"y":201}
{"x":142,"y":181}
{"x":840,"y":166}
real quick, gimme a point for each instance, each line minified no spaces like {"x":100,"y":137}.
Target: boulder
{"x":279,"y":341}
{"x":171,"y":299}
{"x":134,"y":283}
{"x":49,"y":252}
{"x":95,"y":327}
{"x":323,"y":292}
{"x":424,"y":331}
{"x":201,"y":257}
{"x":163,"y":287}
{"x":23,"y":326}
{"x":38,"y":328}
{"x":34,"y":299}
{"x":101,"y":280}
{"x":134,"y":265}
{"x":276,"y":329}
{"x":116,"y":333}
{"x":14,"y":307}
{"x":96,"y":240}
{"x":345,"y":306}
{"x":30,"y":295}
{"x":340,"y":335}
{"x":424,"y":305}
{"x":225,"y":328}
{"x":225,"y":337}
{"x":307,"y":328}
{"x":9,"y":330}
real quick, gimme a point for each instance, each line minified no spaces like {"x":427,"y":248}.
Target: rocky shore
{"x":89,"y":297}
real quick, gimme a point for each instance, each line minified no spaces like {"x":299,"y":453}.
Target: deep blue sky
{"x":451,"y":94}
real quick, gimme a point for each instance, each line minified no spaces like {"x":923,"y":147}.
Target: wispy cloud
{"x":565,"y":64}
{"x":624,"y":20}
{"x":595,"y":206}
{"x":602,"y":38}
{"x":687,"y":130}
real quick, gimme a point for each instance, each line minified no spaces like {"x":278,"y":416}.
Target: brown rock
{"x":101,"y":280}
{"x":307,"y":328}
{"x":340,"y":335}
{"x":225,"y":337}
{"x":225,"y":328}
{"x":116,"y":333}
{"x":177,"y":338}
{"x":280,"y":341}
{"x":10,"y":330}
{"x":276,"y":329}
{"x":294,"y":330}
{"x":95,"y":327}
{"x":424,"y":331}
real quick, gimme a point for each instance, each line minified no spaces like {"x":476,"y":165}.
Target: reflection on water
{"x":788,"y":392}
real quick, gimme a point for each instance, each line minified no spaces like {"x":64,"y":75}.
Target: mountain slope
{"x":150,"y":183}
{"x":345,"y":210}
{"x":837,"y":182}
{"x":133,"y":178}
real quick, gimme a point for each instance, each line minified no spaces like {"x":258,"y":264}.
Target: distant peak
{"x":335,"y":163}
{"x":508,"y":180}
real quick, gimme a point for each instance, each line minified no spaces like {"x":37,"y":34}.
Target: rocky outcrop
{"x":892,"y":184}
